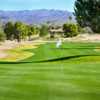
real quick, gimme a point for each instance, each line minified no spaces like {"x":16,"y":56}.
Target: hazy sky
{"x":36,"y":4}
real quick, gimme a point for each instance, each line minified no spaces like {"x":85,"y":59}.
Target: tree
{"x":70,"y":30}
{"x":87,"y":13}
{"x":44,"y":30}
{"x":30,"y":31}
{"x":24,"y":31}
{"x":9,"y":30}
{"x":18,"y":31}
{"x":2,"y":34}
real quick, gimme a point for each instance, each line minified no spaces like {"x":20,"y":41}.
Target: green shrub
{"x":43,"y":31}
{"x":70,"y":30}
{"x":2,"y":36}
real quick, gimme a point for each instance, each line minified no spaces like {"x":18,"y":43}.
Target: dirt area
{"x":86,"y":38}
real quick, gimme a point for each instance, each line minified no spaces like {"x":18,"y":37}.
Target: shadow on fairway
{"x":76,"y":48}
{"x":49,"y":60}
{"x":21,"y":62}
{"x":67,"y":58}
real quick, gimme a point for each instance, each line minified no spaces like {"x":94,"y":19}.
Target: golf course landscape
{"x":49,"y":49}
{"x":71,"y":72}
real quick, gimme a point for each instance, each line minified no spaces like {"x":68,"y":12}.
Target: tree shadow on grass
{"x":67,"y":58}
{"x":9,"y":62}
{"x":50,"y":60}
{"x":76,"y":48}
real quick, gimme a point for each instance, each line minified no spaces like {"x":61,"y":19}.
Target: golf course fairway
{"x":71,"y":72}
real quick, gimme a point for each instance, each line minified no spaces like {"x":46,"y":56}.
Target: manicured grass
{"x":71,"y":72}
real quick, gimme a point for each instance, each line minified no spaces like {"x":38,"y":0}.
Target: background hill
{"x":36,"y":16}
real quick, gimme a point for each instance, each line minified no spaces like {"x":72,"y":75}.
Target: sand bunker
{"x":13,"y":51}
{"x":3,"y":54}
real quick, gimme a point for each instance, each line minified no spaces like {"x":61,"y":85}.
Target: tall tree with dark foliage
{"x":87,"y":13}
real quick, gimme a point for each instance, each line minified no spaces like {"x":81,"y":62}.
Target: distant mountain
{"x":37,"y":16}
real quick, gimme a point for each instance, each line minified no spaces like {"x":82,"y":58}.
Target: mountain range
{"x":37,"y":16}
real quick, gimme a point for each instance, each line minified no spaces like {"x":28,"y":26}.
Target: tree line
{"x":19,"y":31}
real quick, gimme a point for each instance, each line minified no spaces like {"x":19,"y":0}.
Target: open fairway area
{"x":71,"y":72}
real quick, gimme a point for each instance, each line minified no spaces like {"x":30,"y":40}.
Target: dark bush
{"x":70,"y":30}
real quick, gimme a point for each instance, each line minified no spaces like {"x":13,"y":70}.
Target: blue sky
{"x":36,"y":4}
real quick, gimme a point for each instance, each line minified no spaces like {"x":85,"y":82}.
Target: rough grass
{"x":71,"y":72}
